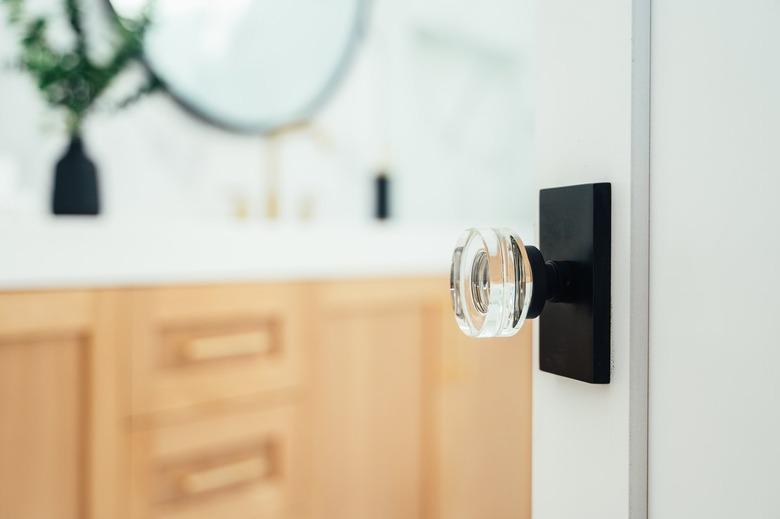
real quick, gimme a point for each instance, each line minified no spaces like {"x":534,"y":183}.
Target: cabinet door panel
{"x":42,"y":412}
{"x":483,"y":421}
{"x":61,"y":406}
{"x":411,"y":419}
{"x":368,"y":413}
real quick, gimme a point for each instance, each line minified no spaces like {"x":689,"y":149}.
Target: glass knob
{"x":497,"y":283}
{"x":491,"y":283}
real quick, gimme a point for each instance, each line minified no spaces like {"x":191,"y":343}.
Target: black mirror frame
{"x":308,"y":110}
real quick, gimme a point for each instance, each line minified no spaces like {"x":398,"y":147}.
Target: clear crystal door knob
{"x":490,"y":282}
{"x":497,"y":282}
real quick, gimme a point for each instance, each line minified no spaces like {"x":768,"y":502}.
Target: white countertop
{"x":87,"y":253}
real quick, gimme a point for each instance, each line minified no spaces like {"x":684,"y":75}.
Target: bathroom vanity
{"x":281,"y":373}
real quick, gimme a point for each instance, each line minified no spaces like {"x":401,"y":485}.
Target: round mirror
{"x":249,"y":65}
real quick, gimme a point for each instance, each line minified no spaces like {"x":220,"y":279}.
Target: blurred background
{"x":225,"y":234}
{"x":437,"y":94}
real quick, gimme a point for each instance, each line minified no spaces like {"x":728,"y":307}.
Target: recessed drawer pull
{"x":225,"y":476}
{"x":226,"y":346}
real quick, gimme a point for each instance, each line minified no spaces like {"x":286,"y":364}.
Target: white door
{"x":693,"y":153}
{"x":592,"y":125}
{"x":715,"y":239}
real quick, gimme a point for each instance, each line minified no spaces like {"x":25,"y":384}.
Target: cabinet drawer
{"x":199,"y":345}
{"x":237,"y":466}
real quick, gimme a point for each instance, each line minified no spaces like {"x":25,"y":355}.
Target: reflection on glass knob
{"x":497,"y":283}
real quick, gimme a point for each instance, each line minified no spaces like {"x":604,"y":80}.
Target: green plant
{"x":71,"y":79}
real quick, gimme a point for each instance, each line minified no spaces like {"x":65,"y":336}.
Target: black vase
{"x":75,"y":182}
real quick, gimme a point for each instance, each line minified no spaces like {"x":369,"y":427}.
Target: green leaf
{"x":70,"y":79}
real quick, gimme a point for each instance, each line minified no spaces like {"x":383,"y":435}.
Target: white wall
{"x":461,"y":124}
{"x":440,"y":94}
{"x":715,"y":224}
{"x":157,"y":162}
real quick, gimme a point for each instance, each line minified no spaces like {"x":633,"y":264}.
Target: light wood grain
{"x":417,"y":419}
{"x":60,"y":417}
{"x":483,"y":423}
{"x":30,"y":314}
{"x":232,"y":325}
{"x":229,"y":345}
{"x":226,"y":475}
{"x":42,"y":429}
{"x":108,"y":400}
{"x":345,"y":399}
{"x":368,"y":401}
{"x":241,"y":462}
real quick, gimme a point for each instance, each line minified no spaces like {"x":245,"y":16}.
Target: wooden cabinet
{"x":412,"y":419}
{"x":371,"y":398}
{"x":60,"y":419}
{"x":236,"y":464}
{"x":342,"y":399}
{"x":483,"y":426}
{"x":198,"y":346}
{"x":216,"y":400}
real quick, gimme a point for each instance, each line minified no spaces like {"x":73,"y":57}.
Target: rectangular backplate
{"x":575,"y":225}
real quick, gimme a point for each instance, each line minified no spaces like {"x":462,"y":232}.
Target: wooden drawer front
{"x":259,"y":340}
{"x":210,"y":352}
{"x":234,"y":466}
